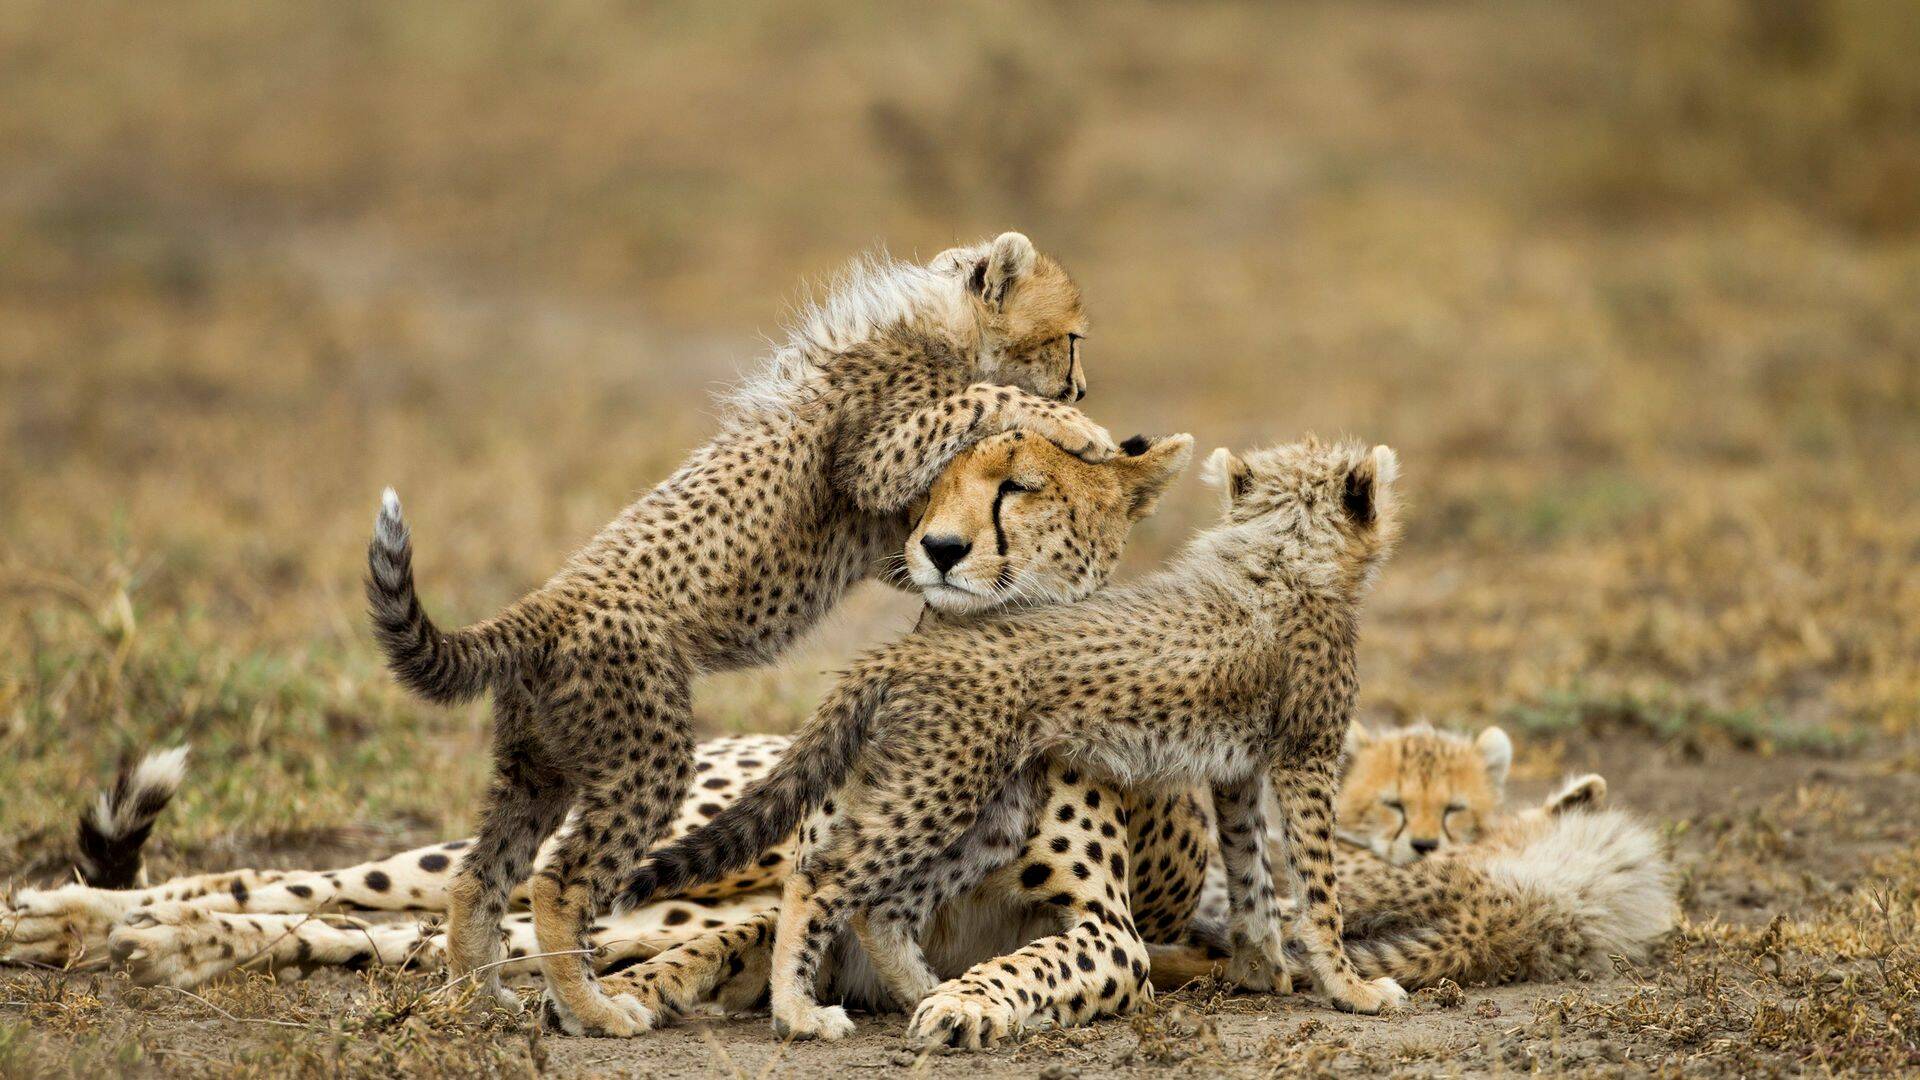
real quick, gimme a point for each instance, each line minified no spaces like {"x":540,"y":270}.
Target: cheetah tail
{"x":439,"y":666}
{"x":116,"y":826}
{"x":821,"y":756}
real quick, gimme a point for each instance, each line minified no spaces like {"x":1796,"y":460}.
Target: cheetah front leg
{"x":1094,"y":969}
{"x":898,"y":462}
{"x":1306,"y":802}
{"x":1258,"y":951}
{"x":892,"y":945}
{"x":809,"y":918}
{"x":183,"y":946}
{"x":69,"y":925}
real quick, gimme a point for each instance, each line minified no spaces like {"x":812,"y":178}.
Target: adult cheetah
{"x":1232,"y":666}
{"x":802,"y":493}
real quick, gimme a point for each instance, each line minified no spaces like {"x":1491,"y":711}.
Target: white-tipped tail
{"x":439,"y":666}
{"x":115,"y":828}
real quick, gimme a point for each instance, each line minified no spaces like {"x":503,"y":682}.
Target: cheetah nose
{"x":1425,"y":847}
{"x":945,"y":551}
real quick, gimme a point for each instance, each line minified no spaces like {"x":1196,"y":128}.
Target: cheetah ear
{"x":1497,"y":751}
{"x":1357,"y":741}
{"x":953,"y":260}
{"x":995,"y":275}
{"x":1367,"y":482}
{"x":1149,"y":466}
{"x":1588,"y":792}
{"x":1227,"y":473}
{"x":1358,"y":737}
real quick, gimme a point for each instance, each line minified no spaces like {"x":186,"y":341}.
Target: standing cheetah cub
{"x":801,"y":494}
{"x":1232,"y":666}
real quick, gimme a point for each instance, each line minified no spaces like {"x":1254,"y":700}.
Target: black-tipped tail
{"x":436,"y":665}
{"x":769,"y":811}
{"x":115,"y":828}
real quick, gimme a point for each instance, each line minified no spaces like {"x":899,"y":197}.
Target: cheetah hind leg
{"x":525,"y":804}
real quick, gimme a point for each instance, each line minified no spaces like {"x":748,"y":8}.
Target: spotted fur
{"x":1057,"y":540}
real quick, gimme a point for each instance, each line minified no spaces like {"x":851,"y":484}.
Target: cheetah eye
{"x":1015,"y":487}
{"x":1456,"y":807}
{"x":1395,"y":805}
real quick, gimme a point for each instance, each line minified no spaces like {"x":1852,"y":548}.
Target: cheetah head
{"x":1029,"y":314}
{"x":1330,"y":507}
{"x":1418,"y":791}
{"x":1016,"y":519}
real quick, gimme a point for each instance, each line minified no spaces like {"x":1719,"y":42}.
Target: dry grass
{"x":1636,"y":294}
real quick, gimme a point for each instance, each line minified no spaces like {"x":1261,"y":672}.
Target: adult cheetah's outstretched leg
{"x":637,"y":740}
{"x":1305,"y":795}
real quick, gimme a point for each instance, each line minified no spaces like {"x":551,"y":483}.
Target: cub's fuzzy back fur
{"x":1605,"y":873}
{"x":115,"y":828}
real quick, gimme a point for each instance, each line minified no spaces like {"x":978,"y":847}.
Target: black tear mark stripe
{"x":999,"y":533}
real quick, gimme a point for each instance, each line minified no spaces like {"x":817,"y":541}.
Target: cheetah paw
{"x":59,"y":926}
{"x":499,"y":997}
{"x":163,"y":947}
{"x":959,"y":1020}
{"x":619,"y":1017}
{"x":825,"y":1023}
{"x":1253,"y":970}
{"x":1370,"y":997}
{"x":1078,"y":435}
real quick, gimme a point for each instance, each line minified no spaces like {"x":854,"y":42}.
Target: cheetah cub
{"x":801,"y":494}
{"x":1232,"y":667}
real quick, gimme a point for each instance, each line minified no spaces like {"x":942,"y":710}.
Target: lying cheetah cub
{"x":1232,"y":666}
{"x":801,"y":494}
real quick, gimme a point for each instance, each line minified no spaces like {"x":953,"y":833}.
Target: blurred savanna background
{"x":1634,"y":289}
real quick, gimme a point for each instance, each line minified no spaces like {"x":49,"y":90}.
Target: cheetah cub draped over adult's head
{"x":802,"y":493}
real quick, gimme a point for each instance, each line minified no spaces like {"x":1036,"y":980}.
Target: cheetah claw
{"x":959,"y":1021}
